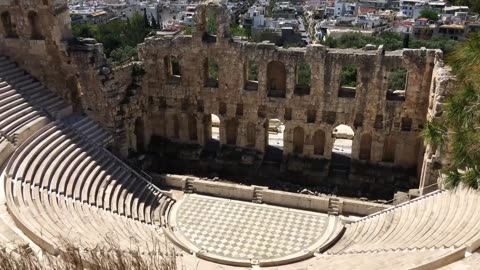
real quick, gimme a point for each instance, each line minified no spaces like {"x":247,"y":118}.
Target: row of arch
{"x":276,"y":78}
{"x":10,"y":30}
{"x":299,"y":138}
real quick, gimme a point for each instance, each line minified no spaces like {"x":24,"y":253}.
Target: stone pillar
{"x":327,"y":153}
{"x":262,"y":135}
{"x":290,"y":80}
{"x":356,"y":145}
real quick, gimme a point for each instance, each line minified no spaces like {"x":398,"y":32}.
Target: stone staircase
{"x":188,"y":189}
{"x":257,"y":195}
{"x":333,"y":206}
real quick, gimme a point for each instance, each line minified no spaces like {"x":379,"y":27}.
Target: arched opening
{"x":389,"y":149}
{"x":8,"y":26}
{"x":276,"y":79}
{"x":140,"y":135}
{"x":298,"y":140}
{"x":215,"y":127}
{"x":274,"y":138}
{"x":348,"y":81}
{"x":35,"y":27}
{"x":251,"y":75}
{"x":192,"y":128}
{"x":302,"y":79}
{"x":172,"y":69}
{"x":365,"y":147}
{"x":319,"y":142}
{"x":176,"y":127}
{"x":251,"y":134}
{"x":211,"y":72}
{"x":397,"y":84}
{"x":341,"y":151}
{"x":231,"y":130}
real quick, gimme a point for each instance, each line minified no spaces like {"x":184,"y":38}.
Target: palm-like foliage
{"x":460,"y":124}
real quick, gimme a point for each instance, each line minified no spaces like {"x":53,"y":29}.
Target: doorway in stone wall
{"x":274,"y":138}
{"x":341,"y":151}
{"x":213,"y":142}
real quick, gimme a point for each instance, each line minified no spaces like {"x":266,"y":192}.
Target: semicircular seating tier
{"x":59,"y":184}
{"x":443,"y":219}
{"x":60,"y":187}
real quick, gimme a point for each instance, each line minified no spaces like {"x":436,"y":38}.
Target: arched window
{"x":302,"y":79}
{"x":276,"y":79}
{"x":8,"y":25}
{"x":35,"y":27}
{"x":318,"y":142}
{"x":389,"y":149}
{"x":365,"y":147}
{"x":231,"y":130}
{"x":211,"y":72}
{"x":348,"y":81}
{"x":298,"y":140}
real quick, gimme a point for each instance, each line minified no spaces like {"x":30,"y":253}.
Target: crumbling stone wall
{"x":141,"y":100}
{"x":37,"y":35}
{"x":35,"y":38}
{"x":442,"y":86}
{"x":371,"y":113}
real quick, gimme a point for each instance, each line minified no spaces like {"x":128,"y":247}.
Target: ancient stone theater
{"x":91,"y":152}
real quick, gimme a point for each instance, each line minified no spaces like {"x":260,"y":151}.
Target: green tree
{"x":397,"y":79}
{"x":430,"y":14}
{"x":123,"y":54}
{"x":390,"y":41}
{"x":212,"y":24}
{"x":348,"y":76}
{"x":304,"y":75}
{"x":136,"y":31}
{"x":84,"y":30}
{"x":119,"y":38}
{"x":459,"y":126}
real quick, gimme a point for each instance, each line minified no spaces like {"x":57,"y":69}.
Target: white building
{"x":407,"y":7}
{"x":344,"y":8}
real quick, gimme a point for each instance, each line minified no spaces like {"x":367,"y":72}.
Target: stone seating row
{"x":90,"y":129}
{"x":441,"y":220}
{"x":21,"y":94}
{"x":418,"y":259}
{"x":60,"y":185}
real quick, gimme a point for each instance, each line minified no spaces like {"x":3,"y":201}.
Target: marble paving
{"x":243,"y":230}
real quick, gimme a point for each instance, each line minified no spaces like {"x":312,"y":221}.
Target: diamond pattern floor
{"x":243,"y":230}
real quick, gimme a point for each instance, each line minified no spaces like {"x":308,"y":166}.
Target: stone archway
{"x":231,"y":131}
{"x":35,"y":27}
{"x":341,"y":151}
{"x":298,"y":140}
{"x":319,"y":142}
{"x":274,"y":140}
{"x":214,"y":127}
{"x":389,"y":149}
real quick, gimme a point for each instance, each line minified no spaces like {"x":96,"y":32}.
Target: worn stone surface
{"x":142,"y":100}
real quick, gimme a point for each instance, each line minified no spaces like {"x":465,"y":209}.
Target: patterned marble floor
{"x":243,"y":230}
